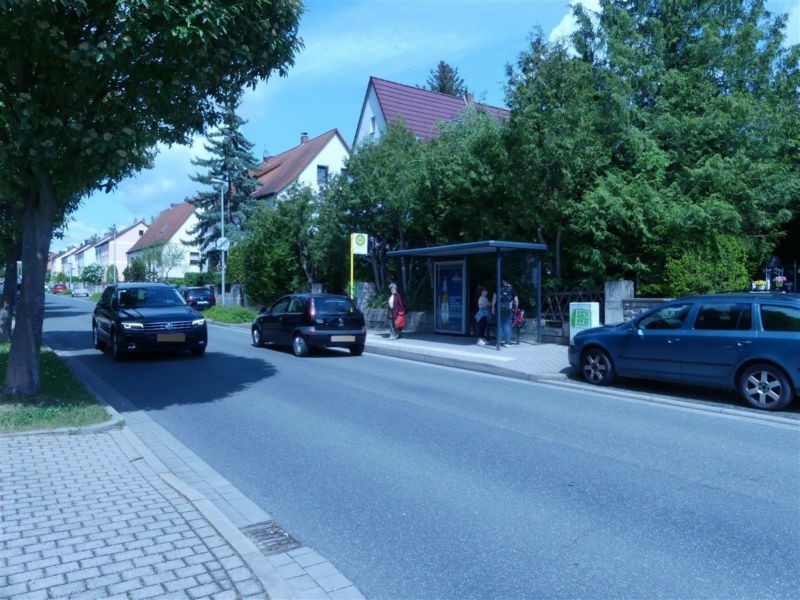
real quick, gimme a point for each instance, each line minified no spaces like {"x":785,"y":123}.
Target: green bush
{"x":95,"y":297}
{"x":230,"y":314}
{"x":723,"y":264}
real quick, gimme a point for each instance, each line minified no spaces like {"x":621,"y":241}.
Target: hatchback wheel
{"x":258,"y":338}
{"x":299,"y":345}
{"x":357,"y":350}
{"x":765,"y":387}
{"x":597,"y":367}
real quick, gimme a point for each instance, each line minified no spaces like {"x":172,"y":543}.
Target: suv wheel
{"x":116,"y":349}
{"x":299,"y":345}
{"x":765,"y":387}
{"x":597,"y":367}
{"x":98,"y":345}
{"x":258,"y":338}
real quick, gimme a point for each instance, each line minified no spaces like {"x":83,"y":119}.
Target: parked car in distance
{"x":80,"y":291}
{"x":143,"y":317}
{"x":306,"y":321}
{"x":59,"y":288}
{"x":200,"y":298}
{"x":745,"y":342}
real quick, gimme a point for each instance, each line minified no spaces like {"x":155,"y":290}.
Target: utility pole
{"x":222,"y":243}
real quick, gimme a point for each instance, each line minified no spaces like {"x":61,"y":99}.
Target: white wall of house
{"x":191,"y":262}
{"x":372,"y":124}
{"x":114,"y":251}
{"x":332,"y":157}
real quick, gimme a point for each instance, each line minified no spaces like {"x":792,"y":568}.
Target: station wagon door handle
{"x":673,"y":340}
{"x":741,"y":343}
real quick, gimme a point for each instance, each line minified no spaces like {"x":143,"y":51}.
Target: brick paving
{"x":81,"y":516}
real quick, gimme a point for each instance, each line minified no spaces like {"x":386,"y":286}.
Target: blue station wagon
{"x":746,"y":342}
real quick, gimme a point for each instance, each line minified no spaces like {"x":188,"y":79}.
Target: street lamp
{"x":221,"y":242}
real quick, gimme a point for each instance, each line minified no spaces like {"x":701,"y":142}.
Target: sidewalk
{"x":533,"y":362}
{"x":95,"y":514}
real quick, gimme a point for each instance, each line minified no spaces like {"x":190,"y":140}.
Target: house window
{"x":141,"y":232}
{"x":372,"y":125}
{"x":322,"y":174}
{"x":194,"y":258}
{"x":344,"y":172}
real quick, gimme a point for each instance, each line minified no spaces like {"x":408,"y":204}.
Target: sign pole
{"x":352,"y":237}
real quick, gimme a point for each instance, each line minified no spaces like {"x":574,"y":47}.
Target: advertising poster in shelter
{"x":450,"y":297}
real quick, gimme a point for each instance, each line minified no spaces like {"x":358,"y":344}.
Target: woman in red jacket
{"x":396,"y":309}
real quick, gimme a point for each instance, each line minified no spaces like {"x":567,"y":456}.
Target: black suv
{"x":140,"y":317}
{"x":200,"y":298}
{"x":307,"y":321}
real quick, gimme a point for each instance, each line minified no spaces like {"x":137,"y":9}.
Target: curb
{"x":262,"y":569}
{"x":463,"y":364}
{"x":561,"y":380}
{"x":115,"y":421}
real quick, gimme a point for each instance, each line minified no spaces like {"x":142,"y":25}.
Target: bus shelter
{"x":451,"y":300}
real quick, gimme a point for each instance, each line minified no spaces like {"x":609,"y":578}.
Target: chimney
{"x":469,"y":99}
{"x":303,"y":138}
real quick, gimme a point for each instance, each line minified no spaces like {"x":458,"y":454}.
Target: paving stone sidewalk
{"x":83,"y":516}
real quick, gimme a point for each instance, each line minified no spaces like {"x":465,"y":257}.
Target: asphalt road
{"x":420,"y":481}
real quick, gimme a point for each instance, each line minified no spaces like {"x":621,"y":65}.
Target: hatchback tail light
{"x":211,"y":298}
{"x":312,"y":311}
{"x":189,"y":298}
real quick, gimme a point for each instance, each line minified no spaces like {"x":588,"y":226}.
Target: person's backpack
{"x":507,"y":296}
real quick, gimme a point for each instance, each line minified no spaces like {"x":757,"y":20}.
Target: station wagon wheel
{"x":258,"y":338}
{"x":765,"y":387}
{"x":299,"y":345}
{"x":597,"y":367}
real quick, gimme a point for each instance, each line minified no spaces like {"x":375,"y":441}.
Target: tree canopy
{"x":445,"y":80}
{"x":88,"y":89}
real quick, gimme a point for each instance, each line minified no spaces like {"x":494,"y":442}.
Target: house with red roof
{"x":386,"y":103}
{"x":313,"y":162}
{"x":170,"y":229}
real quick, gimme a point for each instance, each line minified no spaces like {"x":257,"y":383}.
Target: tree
{"x":89,"y":89}
{"x":92,"y":274}
{"x":136,"y":270}
{"x":231,"y":161}
{"x":445,"y":80}
{"x":171,"y":256}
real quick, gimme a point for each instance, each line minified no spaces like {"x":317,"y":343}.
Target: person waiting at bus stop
{"x":509,"y":302}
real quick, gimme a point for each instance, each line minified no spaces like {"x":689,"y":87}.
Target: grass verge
{"x":230,"y":314}
{"x":63,"y":401}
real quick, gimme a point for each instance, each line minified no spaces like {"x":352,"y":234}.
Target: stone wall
{"x":633,"y":307}
{"x":615,"y":293}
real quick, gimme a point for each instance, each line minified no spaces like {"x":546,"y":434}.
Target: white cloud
{"x":568,"y":25}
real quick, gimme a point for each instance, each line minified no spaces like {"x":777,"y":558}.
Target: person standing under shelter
{"x":482,"y":316}
{"x":509,"y":302}
{"x":396,"y":313}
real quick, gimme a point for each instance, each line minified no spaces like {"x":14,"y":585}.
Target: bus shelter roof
{"x":468,"y":248}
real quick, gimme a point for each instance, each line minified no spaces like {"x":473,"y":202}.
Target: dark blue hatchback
{"x":747,"y":342}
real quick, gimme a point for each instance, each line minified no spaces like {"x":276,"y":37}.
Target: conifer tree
{"x":233,"y":162}
{"x":445,"y":80}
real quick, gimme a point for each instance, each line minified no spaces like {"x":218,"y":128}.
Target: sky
{"x":346,"y":42}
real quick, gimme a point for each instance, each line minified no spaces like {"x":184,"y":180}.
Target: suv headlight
{"x":198,"y":322}
{"x":132,"y":325}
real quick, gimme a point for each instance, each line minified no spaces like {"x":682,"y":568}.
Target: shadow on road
{"x":158,"y":380}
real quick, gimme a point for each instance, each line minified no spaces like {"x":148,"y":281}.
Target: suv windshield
{"x":334,"y":306}
{"x":149,"y":297}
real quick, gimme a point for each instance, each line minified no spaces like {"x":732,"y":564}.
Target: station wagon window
{"x":669,"y":317}
{"x":780,"y":318}
{"x":726,"y":316}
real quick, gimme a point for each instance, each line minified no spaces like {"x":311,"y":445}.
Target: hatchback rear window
{"x":198,"y":293}
{"x":334,"y":306}
{"x":780,"y":318}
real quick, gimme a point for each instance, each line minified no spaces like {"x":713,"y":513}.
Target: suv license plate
{"x":343,"y":338}
{"x":171,"y":337}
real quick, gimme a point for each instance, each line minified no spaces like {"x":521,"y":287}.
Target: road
{"x":419,"y":481}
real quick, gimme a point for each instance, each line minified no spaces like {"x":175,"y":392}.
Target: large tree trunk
{"x":37,"y":229}
{"x":9,"y":300}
